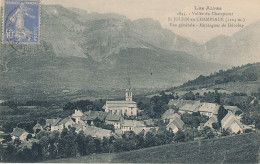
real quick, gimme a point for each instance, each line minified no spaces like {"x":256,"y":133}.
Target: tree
{"x":64,"y":132}
{"x":98,"y":145}
{"x":207,"y":133}
{"x":140,"y":140}
{"x":222,"y":112}
{"x":215,"y":125}
{"x":42,"y":121}
{"x":149,"y":139}
{"x":7,"y":138}
{"x":247,"y":119}
{"x":179,"y":136}
{"x":52,"y":151}
{"x":9,"y":153}
{"x":28,"y":126}
{"x":238,"y":112}
{"x":36,"y":152}
{"x":44,"y":142}
{"x":210,"y":135}
{"x":27,"y":155}
{"x":81,"y":140}
{"x":106,"y":145}
{"x":8,"y":126}
{"x":29,"y":136}
{"x":217,"y":98}
{"x":226,"y":132}
{"x":124,"y":145}
{"x":71,"y":144}
{"x":189,"y":96}
{"x":91,"y":146}
{"x":62,"y":147}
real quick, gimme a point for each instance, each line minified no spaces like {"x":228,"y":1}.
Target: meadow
{"x":242,"y":148}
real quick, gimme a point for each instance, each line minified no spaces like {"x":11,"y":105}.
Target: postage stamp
{"x":21,"y":21}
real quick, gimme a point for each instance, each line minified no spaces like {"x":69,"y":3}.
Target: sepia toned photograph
{"x":130,"y":81}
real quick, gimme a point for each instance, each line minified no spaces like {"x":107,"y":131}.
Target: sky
{"x":160,"y":10}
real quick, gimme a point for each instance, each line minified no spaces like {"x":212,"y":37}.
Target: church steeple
{"x":128,"y":92}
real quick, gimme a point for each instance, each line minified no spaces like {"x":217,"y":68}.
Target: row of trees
{"x":84,"y":105}
{"x":13,"y":104}
{"x":51,"y":145}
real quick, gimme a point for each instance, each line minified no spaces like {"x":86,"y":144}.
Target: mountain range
{"x":84,"y":55}
{"x":240,"y":48}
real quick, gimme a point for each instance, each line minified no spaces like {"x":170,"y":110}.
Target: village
{"x":120,"y":117}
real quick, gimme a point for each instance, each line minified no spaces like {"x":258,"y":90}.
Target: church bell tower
{"x":128,"y":92}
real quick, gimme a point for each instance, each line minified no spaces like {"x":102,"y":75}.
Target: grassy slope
{"x":232,"y":149}
{"x":233,"y":86}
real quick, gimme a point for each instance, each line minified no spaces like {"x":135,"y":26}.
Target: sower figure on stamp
{"x":18,"y":18}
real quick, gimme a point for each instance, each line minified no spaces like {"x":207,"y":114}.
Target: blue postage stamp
{"x":21,"y":21}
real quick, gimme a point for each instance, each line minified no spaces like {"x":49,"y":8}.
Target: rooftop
{"x":96,"y":132}
{"x":18,"y":132}
{"x":133,"y":123}
{"x":170,"y":114}
{"x":37,"y":126}
{"x":233,"y":109}
{"x":113,"y":117}
{"x":229,"y":119}
{"x":65,"y":120}
{"x":209,"y":107}
{"x":180,"y":103}
{"x":92,"y":115}
{"x":177,"y":122}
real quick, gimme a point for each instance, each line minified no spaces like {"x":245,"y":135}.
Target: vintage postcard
{"x":129,"y":81}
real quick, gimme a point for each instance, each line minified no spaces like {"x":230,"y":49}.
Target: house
{"x":208,"y":109}
{"x":127,"y":107}
{"x":19,"y":133}
{"x":37,"y":128}
{"x":231,"y":122}
{"x":180,"y":102}
{"x":90,"y":116}
{"x":233,"y":109}
{"x":185,"y":106}
{"x":50,"y":122}
{"x":2,"y":136}
{"x":115,"y":120}
{"x":150,"y":122}
{"x":97,"y":132}
{"x":142,"y":129}
{"x":190,"y":108}
{"x":169,"y":115}
{"x":211,"y":120}
{"x":54,"y":124}
{"x":79,"y":127}
{"x":65,"y":123}
{"x":77,"y":115}
{"x":130,"y":125}
{"x":175,"y":124}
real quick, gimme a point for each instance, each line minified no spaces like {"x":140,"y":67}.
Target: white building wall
{"x":123,"y":110}
{"x":235,"y":128}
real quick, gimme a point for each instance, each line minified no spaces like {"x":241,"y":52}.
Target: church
{"x":127,"y":107}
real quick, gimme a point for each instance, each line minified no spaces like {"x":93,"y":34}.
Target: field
{"x":242,"y":148}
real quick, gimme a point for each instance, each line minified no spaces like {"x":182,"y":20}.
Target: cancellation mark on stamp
{"x":21,"y":21}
